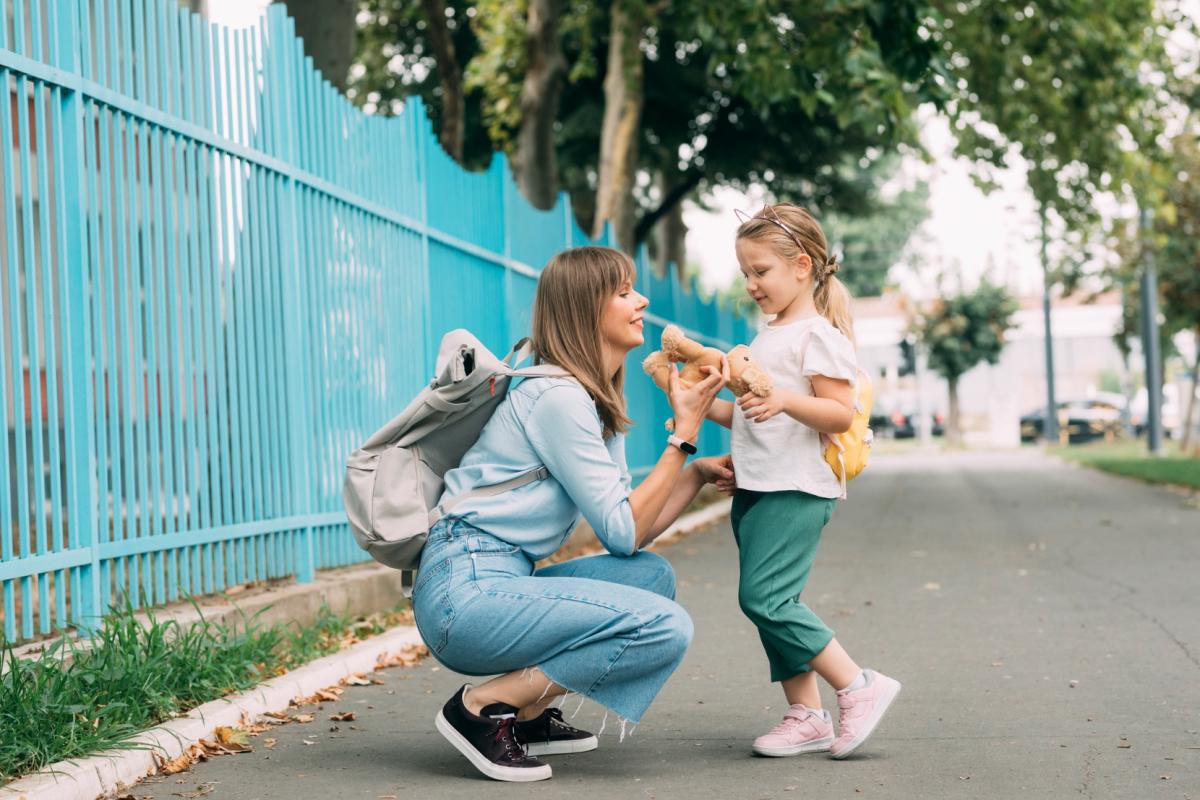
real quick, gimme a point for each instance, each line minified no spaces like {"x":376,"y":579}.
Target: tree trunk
{"x":953,"y":429}
{"x":535,"y":162}
{"x":328,"y":29}
{"x":1185,"y":446}
{"x":621,"y":127}
{"x":672,"y":235}
{"x":196,"y":6}
{"x":679,"y":189}
{"x":454,"y":109}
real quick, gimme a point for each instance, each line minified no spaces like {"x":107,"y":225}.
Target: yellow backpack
{"x":846,"y":453}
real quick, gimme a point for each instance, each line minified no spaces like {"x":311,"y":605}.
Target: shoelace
{"x":506,"y":735}
{"x":556,"y":716}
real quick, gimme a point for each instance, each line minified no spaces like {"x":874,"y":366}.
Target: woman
{"x":606,"y":626}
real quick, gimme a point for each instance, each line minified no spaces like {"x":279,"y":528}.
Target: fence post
{"x":78,"y":391}
{"x":295,"y":297}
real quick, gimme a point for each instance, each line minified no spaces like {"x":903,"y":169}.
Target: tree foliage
{"x":1068,"y":87}
{"x":963,"y":330}
{"x":873,"y":241}
{"x":734,"y":93}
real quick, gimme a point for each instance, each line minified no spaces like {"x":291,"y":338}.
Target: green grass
{"x":1129,"y":458}
{"x":75,"y":700}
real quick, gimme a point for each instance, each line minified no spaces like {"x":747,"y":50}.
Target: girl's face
{"x":621,"y":320}
{"x":771,"y":281}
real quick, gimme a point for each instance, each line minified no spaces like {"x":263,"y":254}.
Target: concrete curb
{"x":108,"y":773}
{"x":694,"y":521}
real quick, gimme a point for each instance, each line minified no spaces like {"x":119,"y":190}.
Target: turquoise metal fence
{"x":219,"y":278}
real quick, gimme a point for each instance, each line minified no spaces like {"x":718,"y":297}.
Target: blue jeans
{"x":604,"y":626}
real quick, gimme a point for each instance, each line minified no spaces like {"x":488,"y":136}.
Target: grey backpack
{"x":393,"y":482}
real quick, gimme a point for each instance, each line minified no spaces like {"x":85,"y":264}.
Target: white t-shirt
{"x":782,"y":454}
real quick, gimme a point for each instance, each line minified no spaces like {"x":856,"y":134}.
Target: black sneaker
{"x":548,"y":735}
{"x":489,"y":740}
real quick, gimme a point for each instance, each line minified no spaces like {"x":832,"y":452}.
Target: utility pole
{"x":1150,"y":344}
{"x":1050,"y":425}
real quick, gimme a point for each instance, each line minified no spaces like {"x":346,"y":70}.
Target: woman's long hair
{"x":572,"y":292}
{"x":830,"y":295}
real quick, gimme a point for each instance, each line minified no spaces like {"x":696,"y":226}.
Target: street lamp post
{"x":1050,"y":425}
{"x":1150,"y":346}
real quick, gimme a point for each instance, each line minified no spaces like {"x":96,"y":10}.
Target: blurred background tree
{"x":959,"y":331}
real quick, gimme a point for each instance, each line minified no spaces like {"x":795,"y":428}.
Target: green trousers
{"x":777,"y":535}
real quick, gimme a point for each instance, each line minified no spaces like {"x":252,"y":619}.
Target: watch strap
{"x":682,"y":444}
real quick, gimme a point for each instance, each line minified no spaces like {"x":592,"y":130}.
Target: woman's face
{"x":621,"y":320}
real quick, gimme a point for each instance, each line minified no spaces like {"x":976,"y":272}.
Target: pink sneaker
{"x":803,"y":730}
{"x":859,"y":711}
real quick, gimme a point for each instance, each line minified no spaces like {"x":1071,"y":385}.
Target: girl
{"x":608,"y":626}
{"x":786,"y":491}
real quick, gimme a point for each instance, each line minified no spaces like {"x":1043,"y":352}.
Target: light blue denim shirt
{"x":551,"y":422}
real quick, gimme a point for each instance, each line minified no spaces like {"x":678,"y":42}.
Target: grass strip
{"x":75,"y":700}
{"x":1131,"y":460}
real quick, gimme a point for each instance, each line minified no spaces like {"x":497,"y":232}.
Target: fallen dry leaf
{"x":345,"y":716}
{"x":232,"y":739}
{"x":356,"y":680}
{"x":1124,"y":744}
{"x":407,"y":656}
{"x":180,"y":763}
{"x":281,"y":715}
{"x":302,"y":718}
{"x":270,"y":742}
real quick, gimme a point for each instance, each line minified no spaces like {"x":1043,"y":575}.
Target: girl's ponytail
{"x":832,"y":299}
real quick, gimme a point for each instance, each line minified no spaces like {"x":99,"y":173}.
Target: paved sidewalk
{"x":1043,"y":618}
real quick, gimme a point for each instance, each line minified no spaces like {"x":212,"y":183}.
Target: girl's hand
{"x":717,"y":470}
{"x":690,"y":406}
{"x":761,"y":409}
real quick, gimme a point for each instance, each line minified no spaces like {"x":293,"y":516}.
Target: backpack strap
{"x":535,"y":474}
{"x":541,"y":371}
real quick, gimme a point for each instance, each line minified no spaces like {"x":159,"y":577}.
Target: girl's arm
{"x":716,"y":469}
{"x":830,"y":410}
{"x":721,"y":413}
{"x":690,"y":406}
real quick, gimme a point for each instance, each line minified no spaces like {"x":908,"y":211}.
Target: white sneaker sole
{"x":493,"y":771}
{"x":816,"y":746}
{"x":562,"y":748}
{"x":885,"y":703}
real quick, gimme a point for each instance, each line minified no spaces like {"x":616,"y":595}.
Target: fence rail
{"x":219,"y":278}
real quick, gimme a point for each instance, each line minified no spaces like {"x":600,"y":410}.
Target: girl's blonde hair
{"x":572,"y":292}
{"x":791,"y":232}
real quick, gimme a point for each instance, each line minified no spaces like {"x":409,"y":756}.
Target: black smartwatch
{"x":682,"y":444}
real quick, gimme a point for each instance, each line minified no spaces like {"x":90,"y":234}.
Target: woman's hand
{"x":761,"y":409}
{"x":717,"y":470}
{"x":691,"y":405}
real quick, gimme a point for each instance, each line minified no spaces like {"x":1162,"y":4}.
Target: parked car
{"x":904,"y":423}
{"x":1079,"y":420}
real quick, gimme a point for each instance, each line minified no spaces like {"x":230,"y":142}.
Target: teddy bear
{"x":744,"y":374}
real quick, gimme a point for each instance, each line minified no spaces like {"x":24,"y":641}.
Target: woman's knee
{"x":658,"y":575}
{"x":676,"y":630}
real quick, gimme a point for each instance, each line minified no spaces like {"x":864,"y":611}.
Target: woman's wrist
{"x":685,"y":431}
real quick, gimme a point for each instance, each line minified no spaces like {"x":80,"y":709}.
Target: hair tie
{"x":831,"y":268}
